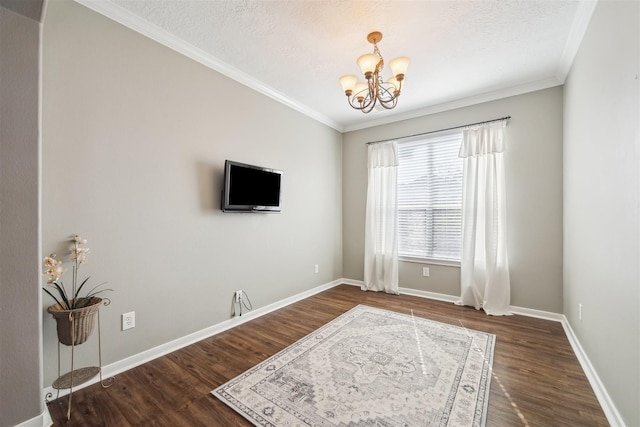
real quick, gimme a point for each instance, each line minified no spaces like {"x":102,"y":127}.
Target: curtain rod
{"x":441,"y":130}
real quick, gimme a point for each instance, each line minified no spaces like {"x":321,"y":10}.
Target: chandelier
{"x":364,"y":96}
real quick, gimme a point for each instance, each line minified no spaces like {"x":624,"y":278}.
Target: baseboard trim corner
{"x":529,"y":312}
{"x":540,"y":314}
{"x":426,"y":294}
{"x":609,"y":408}
{"x":42,"y":420}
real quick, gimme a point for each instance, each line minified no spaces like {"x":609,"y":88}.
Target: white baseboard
{"x":529,"y":312}
{"x":161,"y":350}
{"x":42,"y":420}
{"x":358,"y":283}
{"x":612,"y":414}
{"x":609,"y":408}
{"x":407,"y":291}
{"x":426,"y":294}
{"x":540,"y":314}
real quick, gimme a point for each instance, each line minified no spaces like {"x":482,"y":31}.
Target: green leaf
{"x":52,"y":296}
{"x":93,"y":291}
{"x":63,"y":295}
{"x":97,"y":292}
{"x":75,"y":297}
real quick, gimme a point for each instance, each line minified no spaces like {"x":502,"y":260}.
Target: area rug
{"x":370,"y":367}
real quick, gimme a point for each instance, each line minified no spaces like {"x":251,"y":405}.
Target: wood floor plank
{"x":537,"y":379}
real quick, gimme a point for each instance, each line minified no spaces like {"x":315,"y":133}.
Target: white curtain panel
{"x":381,"y":228}
{"x":484,"y":269}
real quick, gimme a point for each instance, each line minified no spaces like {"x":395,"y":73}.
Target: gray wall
{"x":601,"y":185}
{"x":533,"y":162}
{"x":534,"y":197}
{"x":134,"y":141}
{"x":146,"y":196}
{"x":20,"y":312}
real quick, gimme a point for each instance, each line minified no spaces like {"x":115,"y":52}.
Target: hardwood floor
{"x":537,"y":380}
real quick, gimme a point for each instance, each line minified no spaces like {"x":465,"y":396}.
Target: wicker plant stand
{"x":74,"y":328}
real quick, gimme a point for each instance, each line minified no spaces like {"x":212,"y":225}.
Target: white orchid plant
{"x":54,"y":271}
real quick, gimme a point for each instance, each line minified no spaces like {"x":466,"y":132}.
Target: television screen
{"x":249,"y":188}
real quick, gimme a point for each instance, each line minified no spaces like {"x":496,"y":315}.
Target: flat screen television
{"x":249,"y":188}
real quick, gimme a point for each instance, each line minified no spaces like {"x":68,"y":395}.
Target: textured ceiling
{"x":461,"y":51}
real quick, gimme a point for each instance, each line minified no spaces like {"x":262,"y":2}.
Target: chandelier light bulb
{"x":361,"y":91}
{"x":399,"y":66}
{"x":368,"y":63}
{"x":396,"y":84}
{"x":348,"y":83}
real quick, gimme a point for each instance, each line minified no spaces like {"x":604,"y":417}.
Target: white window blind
{"x":430,"y":197}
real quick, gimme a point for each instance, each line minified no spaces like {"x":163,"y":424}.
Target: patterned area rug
{"x":370,"y":367}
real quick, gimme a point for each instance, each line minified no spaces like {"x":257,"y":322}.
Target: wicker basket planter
{"x":75,"y":326}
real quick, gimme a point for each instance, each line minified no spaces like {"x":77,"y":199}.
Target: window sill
{"x":430,"y":261}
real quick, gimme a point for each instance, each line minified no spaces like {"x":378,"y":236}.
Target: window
{"x":430,"y":197}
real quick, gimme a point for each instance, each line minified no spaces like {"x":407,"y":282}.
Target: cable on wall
{"x":241,"y":299}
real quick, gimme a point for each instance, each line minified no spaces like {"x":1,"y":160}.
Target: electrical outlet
{"x":238,"y":296}
{"x":425,"y":271}
{"x":315,"y":268}
{"x":128,"y":320}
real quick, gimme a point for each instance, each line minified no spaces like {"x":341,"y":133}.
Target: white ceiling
{"x":462,"y":52}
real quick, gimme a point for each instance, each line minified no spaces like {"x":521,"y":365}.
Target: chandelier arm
{"x":384,"y":91}
{"x":364,"y":107}
{"x":373,"y":96}
{"x":366,"y":98}
{"x":353,"y":103}
{"x":387,"y":92}
{"x":357,"y":105}
{"x":369,"y":107}
{"x":389,"y":105}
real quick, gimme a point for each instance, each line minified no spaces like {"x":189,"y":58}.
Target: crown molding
{"x":139,"y":25}
{"x":576,"y":34}
{"x":124,"y":17}
{"x":33,"y":10}
{"x":459,"y":103}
